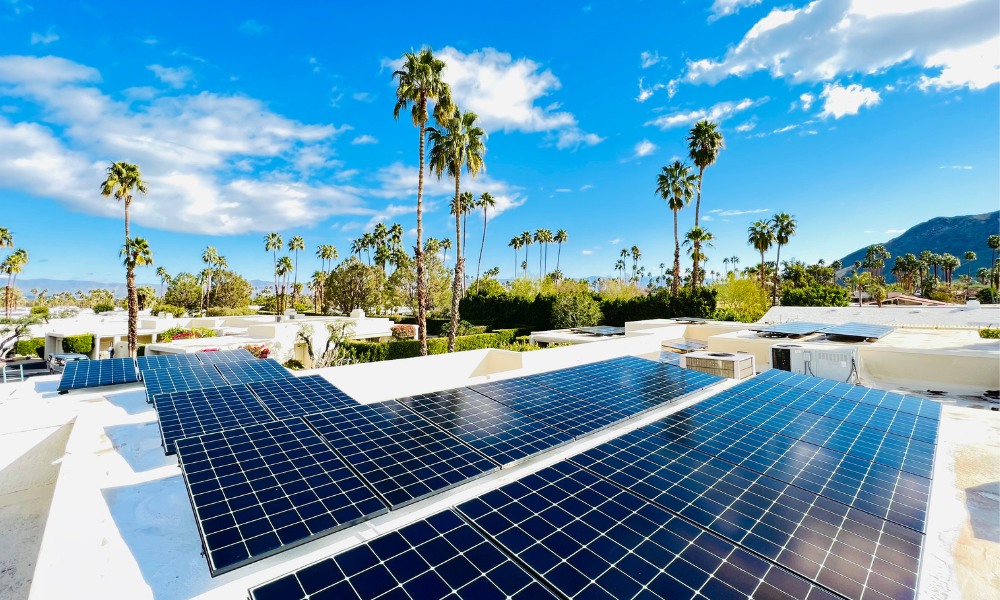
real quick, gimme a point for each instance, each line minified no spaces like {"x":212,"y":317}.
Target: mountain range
{"x":954,"y":235}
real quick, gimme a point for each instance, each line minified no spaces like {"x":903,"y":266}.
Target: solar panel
{"x":95,"y":373}
{"x":572,"y":415}
{"x":196,"y":412}
{"x":844,"y":549}
{"x":299,"y":396}
{"x":253,"y":370}
{"x":179,"y":379}
{"x":497,"y":431}
{"x":888,"y":493}
{"x":600,"y":330}
{"x":620,"y":399}
{"x":217,"y":356}
{"x":401,"y":456}
{"x":664,"y":379}
{"x":795,"y":328}
{"x":590,"y":539}
{"x":439,"y":557}
{"x":167,"y":361}
{"x":860,"y":330}
{"x":264,"y":488}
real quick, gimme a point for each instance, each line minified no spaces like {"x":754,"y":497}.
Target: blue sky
{"x":861,"y":118}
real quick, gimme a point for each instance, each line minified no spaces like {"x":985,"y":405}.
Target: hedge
{"x":79,"y":344}
{"x":379,"y":351}
{"x":988,"y":333}
{"x":434,"y":326}
{"x":505,"y":310}
{"x":816,"y":295}
{"x":40,"y":311}
{"x":29,"y":347}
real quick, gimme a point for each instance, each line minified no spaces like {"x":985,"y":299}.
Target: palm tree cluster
{"x":777,"y":231}
{"x":383,"y":244}
{"x":543,"y":237}
{"x":11,"y":266}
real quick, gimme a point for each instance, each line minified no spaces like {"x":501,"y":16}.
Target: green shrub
{"x":403,"y":332}
{"x":700,"y":303}
{"x":576,"y":310}
{"x":179,"y":333}
{"x":29,"y":347}
{"x":40,"y":311}
{"x":988,"y":296}
{"x":177,"y":311}
{"x":218,"y":311}
{"x":992,"y":334}
{"x":815,"y":295}
{"x":293,"y":364}
{"x":140,"y":350}
{"x":80,"y":344}
{"x":99,"y":308}
{"x":434,"y":326}
{"x":378,"y":351}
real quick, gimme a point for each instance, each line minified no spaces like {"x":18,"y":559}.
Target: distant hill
{"x":954,"y":235}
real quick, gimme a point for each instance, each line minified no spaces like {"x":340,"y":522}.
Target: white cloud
{"x":717,"y":113}
{"x":650,"y":58}
{"x":399,"y":181}
{"x":734,"y":213}
{"x":956,"y":167}
{"x":724,"y":8}
{"x":586,"y":252}
{"x":564,"y":190}
{"x":895,"y":230}
{"x":364,"y":139}
{"x":827,"y":38}
{"x":647,"y":93}
{"x":363,"y":97}
{"x":747,"y":126}
{"x":586,"y":187}
{"x":807,"y":100}
{"x":215,"y":164}
{"x":252,"y":27}
{"x":175,"y":77}
{"x":839,"y":101}
{"x":615,"y":241}
{"x":44,"y":38}
{"x":503,"y":91}
{"x":645,"y":148}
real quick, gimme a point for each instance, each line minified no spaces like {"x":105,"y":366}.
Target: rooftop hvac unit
{"x":829,"y":361}
{"x":723,"y":364}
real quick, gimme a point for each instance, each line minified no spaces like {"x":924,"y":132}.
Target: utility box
{"x":829,"y":361}
{"x":724,"y":364}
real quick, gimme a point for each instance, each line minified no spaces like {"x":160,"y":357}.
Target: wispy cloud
{"x":895,"y":230}
{"x":564,"y":190}
{"x":586,"y":187}
{"x":252,"y":27}
{"x":747,"y":126}
{"x":647,"y":93}
{"x":724,"y":8}
{"x":44,"y":38}
{"x":363,"y":97}
{"x":364,"y":139}
{"x":614,"y":241}
{"x":649,"y":59}
{"x":734,"y":212}
{"x":955,"y":167}
{"x":586,"y":252}
{"x":175,"y":77}
{"x":717,"y":112}
{"x":645,"y":148}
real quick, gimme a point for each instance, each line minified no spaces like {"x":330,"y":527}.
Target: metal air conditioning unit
{"x":723,"y":364}
{"x":829,"y":361}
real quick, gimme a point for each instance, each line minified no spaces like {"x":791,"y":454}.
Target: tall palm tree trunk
{"x":456,"y":289}
{"x":419,"y":250}
{"x":482,"y":245}
{"x":777,"y":261}
{"x":676,"y":287}
{"x":133,"y":303}
{"x":763,"y":277}
{"x":277,"y":306}
{"x":559,"y":256}
{"x":515,"y":262}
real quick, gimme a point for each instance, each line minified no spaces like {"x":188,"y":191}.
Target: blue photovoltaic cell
{"x":266,"y":488}
{"x":590,"y":539}
{"x":499,"y":432}
{"x":623,"y":400}
{"x":437,"y":558}
{"x":888,"y":493}
{"x":849,"y":551}
{"x":299,"y":396}
{"x":400,"y":455}
{"x":860,"y":330}
{"x":252,"y":370}
{"x":794,"y":328}
{"x":217,"y":356}
{"x":95,"y":373}
{"x":668,"y":381}
{"x":892,"y":450}
{"x":167,"y":361}
{"x":179,"y":379}
{"x":196,"y":412}
{"x":569,"y":414}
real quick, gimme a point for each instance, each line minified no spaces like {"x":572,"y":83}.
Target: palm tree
{"x":294,"y":245}
{"x":164,"y":277}
{"x":784,"y":228}
{"x":620,"y":267}
{"x":636,"y":255}
{"x":705,"y":142}
{"x":135,"y":253}
{"x":970,"y":256}
{"x":458,"y":144}
{"x":993,"y":243}
{"x":526,"y":242}
{"x":6,"y":241}
{"x":13,"y":265}
{"x":444,"y":245}
{"x":273,"y":242}
{"x":485,"y":202}
{"x":560,"y":238}
{"x":696,"y":238}
{"x":982,"y":273}
{"x":209,"y":256}
{"x":515,"y":243}
{"x":539,"y":237}
{"x":122,"y":181}
{"x":675,"y":184}
{"x":761,"y":236}
{"x":419,"y":82}
{"x":283,"y":269}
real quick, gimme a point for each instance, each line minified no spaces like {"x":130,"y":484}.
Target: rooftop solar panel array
{"x":195,"y":412}
{"x":263,"y":488}
{"x":179,"y":379}
{"x":793,"y":328}
{"x":860,"y":330}
{"x":299,"y":396}
{"x":841,"y":548}
{"x":399,"y":454}
{"x":252,"y":370}
{"x":217,"y":356}
{"x":167,"y":361}
{"x":439,"y":557}
{"x":497,"y":431}
{"x":95,"y":373}
{"x":590,"y":539}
